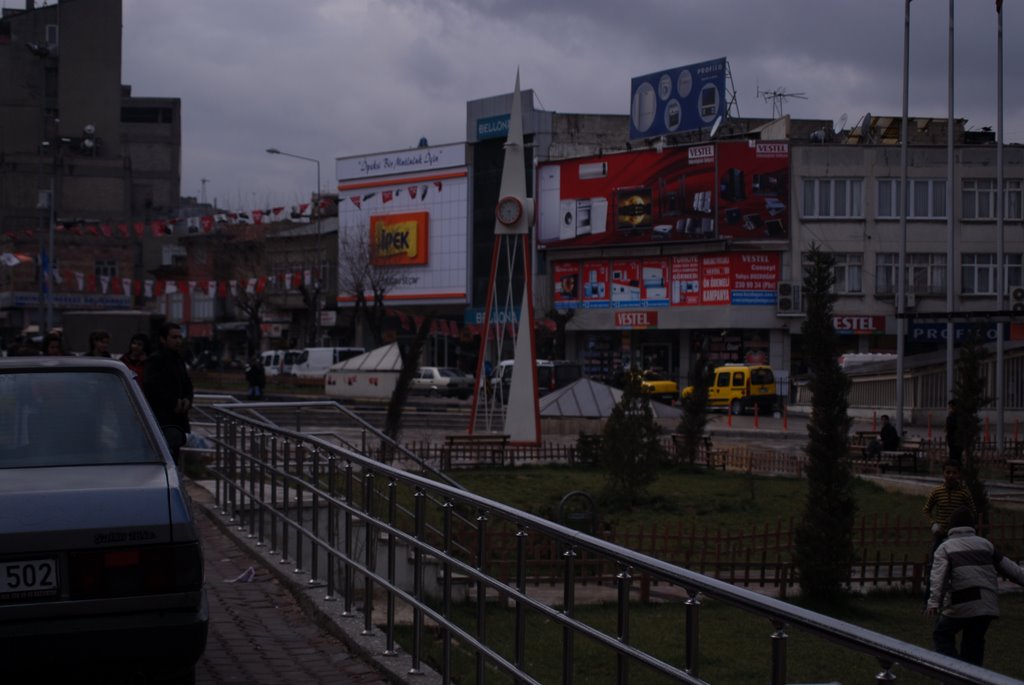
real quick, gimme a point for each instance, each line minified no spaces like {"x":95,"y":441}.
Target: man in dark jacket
{"x":168,"y":388}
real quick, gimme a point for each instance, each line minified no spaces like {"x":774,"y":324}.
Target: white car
{"x":442,"y":381}
{"x":100,"y":565}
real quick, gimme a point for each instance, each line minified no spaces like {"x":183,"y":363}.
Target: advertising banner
{"x":596,"y":285}
{"x":399,"y":239}
{"x":625,"y":283}
{"x":732,"y":189}
{"x":742,"y":279}
{"x":567,"y":278}
{"x":753,"y":190}
{"x":677,"y":100}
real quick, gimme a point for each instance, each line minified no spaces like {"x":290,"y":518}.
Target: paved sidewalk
{"x":259,"y":633}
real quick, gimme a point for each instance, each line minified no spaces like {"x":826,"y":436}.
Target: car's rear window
{"x":761,"y":377}
{"x":66,"y":418}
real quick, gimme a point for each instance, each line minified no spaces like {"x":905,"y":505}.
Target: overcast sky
{"x":331,"y":78}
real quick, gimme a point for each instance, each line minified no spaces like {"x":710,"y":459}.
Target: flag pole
{"x":1000,"y":238}
{"x":950,"y":238}
{"x":901,"y":280}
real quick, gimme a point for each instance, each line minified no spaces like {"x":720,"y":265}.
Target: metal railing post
{"x":568,"y":608}
{"x":300,"y":453}
{"x":520,"y":627}
{"x":314,"y":554}
{"x":693,"y":632}
{"x":285,"y":507}
{"x":446,"y":589}
{"x":481,"y":591}
{"x":261,"y":509}
{"x":779,"y":638}
{"x":369,"y":553}
{"x":273,"y":495}
{"x":389,"y":649}
{"x":332,"y":526}
{"x":623,"y":581}
{"x":348,"y":582}
{"x":419,"y":524}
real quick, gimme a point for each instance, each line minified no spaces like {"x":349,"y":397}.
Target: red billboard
{"x":734,"y":189}
{"x":725,"y":278}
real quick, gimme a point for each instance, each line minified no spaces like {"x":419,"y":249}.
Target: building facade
{"x":84,"y":166}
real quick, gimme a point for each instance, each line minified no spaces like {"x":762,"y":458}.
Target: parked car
{"x":739,"y":387}
{"x":100,"y":562}
{"x":659,"y":386}
{"x":442,"y":381}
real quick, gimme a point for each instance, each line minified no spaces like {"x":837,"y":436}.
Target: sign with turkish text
{"x":399,"y":239}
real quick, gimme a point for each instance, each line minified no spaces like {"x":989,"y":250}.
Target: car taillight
{"x":146,"y":570}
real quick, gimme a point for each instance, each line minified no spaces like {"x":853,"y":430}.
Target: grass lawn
{"x":735,"y":647}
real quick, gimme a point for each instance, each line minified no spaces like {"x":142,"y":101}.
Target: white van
{"x":273,"y":361}
{"x":313,"y":362}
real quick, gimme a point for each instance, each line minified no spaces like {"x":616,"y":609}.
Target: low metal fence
{"x":381,"y":539}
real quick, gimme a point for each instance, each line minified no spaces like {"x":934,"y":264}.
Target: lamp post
{"x":318,"y":286}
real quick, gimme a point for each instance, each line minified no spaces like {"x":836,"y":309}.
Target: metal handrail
{"x":287,"y":480}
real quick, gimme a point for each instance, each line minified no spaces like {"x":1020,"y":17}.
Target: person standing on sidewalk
{"x":954,"y":441}
{"x":964,"y":588}
{"x":168,"y":388}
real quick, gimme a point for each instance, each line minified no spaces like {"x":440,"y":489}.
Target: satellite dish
{"x":715,"y":126}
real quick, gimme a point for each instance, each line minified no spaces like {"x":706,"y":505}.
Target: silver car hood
{"x":89,"y":506}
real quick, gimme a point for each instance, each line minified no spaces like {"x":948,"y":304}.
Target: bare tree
{"x":367,"y":279}
{"x":240,"y":258}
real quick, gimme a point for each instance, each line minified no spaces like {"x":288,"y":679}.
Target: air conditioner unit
{"x":1017,"y":300}
{"x":789,"y":302}
{"x":911,"y":300}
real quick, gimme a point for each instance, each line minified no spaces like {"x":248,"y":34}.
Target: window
{"x":833,"y":198}
{"x":174,"y":306}
{"x":926,"y":273}
{"x":927,"y":198}
{"x":978,"y":273}
{"x":979,"y":198}
{"x":847,"y":272}
{"x":106,"y":267}
{"x":202,"y":306}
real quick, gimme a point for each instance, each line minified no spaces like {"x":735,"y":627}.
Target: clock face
{"x":509,"y":210}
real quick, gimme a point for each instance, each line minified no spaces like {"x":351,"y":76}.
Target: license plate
{"x":28,"y":579}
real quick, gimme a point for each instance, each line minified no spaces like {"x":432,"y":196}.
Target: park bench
{"x":907,"y":453}
{"x":707,"y":454}
{"x":474,"y":450}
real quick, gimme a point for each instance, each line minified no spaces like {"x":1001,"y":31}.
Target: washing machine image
{"x":567,"y":214}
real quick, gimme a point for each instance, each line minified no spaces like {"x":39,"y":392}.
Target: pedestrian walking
{"x":964,"y":588}
{"x":256,"y":377}
{"x":168,"y":387}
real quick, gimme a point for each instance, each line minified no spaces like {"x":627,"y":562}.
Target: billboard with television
{"x":731,"y":189}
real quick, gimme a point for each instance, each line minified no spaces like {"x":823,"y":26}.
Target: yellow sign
{"x":399,"y":239}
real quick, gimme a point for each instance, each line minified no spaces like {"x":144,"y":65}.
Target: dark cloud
{"x":327,"y":78}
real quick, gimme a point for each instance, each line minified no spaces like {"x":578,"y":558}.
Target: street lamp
{"x":319,"y":252}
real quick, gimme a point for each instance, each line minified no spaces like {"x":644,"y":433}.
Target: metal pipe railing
{"x":425,"y":525}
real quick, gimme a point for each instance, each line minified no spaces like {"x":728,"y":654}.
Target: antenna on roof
{"x":777,"y":97}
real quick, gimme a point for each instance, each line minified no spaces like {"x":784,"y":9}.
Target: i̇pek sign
{"x":641,"y":319}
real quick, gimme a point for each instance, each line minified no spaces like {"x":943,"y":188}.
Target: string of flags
{"x":208,"y":223}
{"x":162,"y":228}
